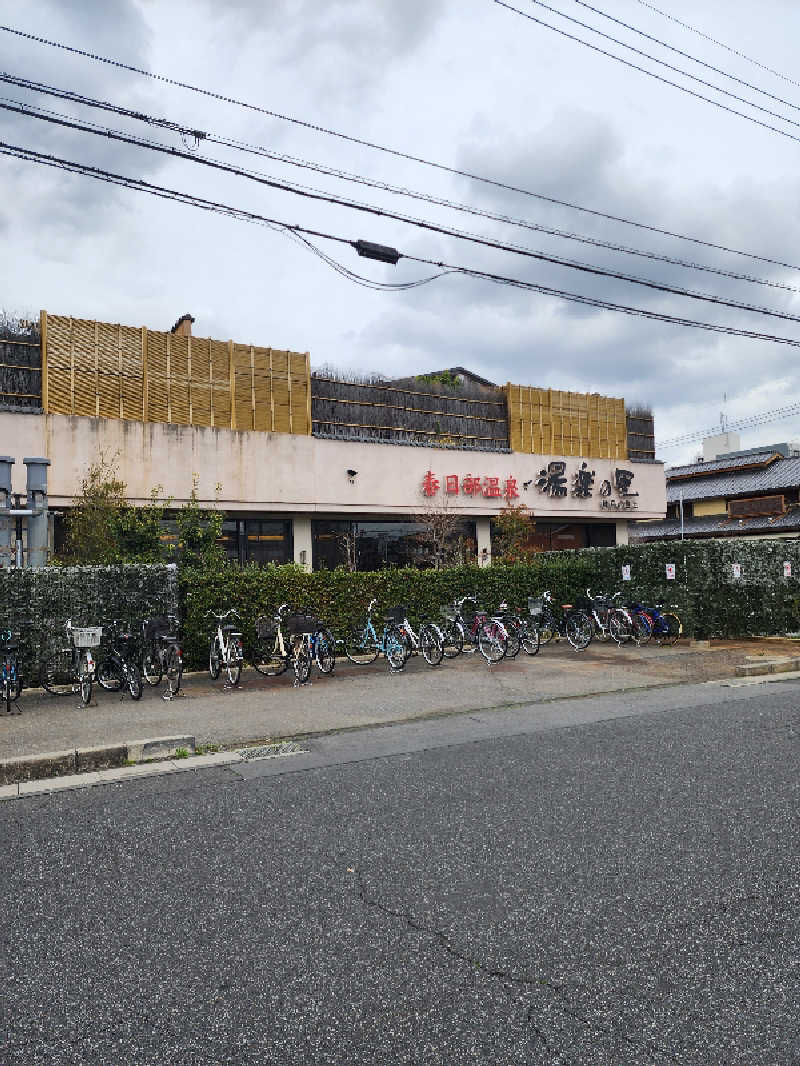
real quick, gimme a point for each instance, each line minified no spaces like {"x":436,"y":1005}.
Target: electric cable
{"x":651,"y":73}
{"x":201,"y":136}
{"x":686,"y":55}
{"x":240,"y":214}
{"x":432,"y":227}
{"x":394,"y":152}
{"x":720,"y":44}
{"x":749,"y":422}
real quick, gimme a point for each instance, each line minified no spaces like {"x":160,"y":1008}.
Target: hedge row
{"x":710,"y":600}
{"x":705,"y":594}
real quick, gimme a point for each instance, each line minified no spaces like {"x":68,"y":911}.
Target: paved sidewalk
{"x":354,"y":697}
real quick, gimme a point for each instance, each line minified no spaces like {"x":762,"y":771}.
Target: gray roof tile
{"x":782,"y":474}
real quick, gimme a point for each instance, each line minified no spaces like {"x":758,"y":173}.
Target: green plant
{"x":199,"y":531}
{"x":513,"y":529}
{"x":181,"y":753}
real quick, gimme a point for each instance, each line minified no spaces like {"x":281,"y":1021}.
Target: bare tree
{"x":440,"y":533}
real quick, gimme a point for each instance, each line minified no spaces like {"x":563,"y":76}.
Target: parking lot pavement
{"x":356,"y":696}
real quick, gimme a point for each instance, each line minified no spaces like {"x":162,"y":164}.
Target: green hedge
{"x":37,"y":603}
{"x":706,"y":596}
{"x":709,"y":600}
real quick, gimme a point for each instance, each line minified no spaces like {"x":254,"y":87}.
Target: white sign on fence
{"x":787,"y":569}
{"x":737,"y":569}
{"x":626,"y":572}
{"x":670,"y":571}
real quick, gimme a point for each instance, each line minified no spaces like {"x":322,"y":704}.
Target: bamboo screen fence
{"x":408,"y":414}
{"x":113,"y":371}
{"x":549,"y":422}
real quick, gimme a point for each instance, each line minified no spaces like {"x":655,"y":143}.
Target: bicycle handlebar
{"x":219,"y":617}
{"x":372,"y":603}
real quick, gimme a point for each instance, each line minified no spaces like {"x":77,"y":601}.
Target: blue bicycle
{"x":363,"y":645}
{"x":10,"y":677}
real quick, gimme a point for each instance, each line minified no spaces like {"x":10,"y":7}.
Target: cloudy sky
{"x":468,"y":84}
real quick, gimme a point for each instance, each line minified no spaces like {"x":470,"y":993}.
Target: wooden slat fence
{"x":113,"y":371}
{"x":550,"y":422}
{"x":20,"y":372}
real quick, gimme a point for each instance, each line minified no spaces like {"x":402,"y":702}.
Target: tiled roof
{"x":716,"y":466}
{"x":781,"y":474}
{"x":715,"y":526}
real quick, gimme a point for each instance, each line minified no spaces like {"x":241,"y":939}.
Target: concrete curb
{"x":118,"y":775}
{"x":769,"y":666}
{"x":23,"y":769}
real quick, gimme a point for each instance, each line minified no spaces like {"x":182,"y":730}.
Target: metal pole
{"x":38,"y":522}
{"x":6,"y":526}
{"x":680,"y":498}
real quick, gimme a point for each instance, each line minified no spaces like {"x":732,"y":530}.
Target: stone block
{"x":158,"y":747}
{"x":102,"y":757}
{"x":34,"y":767}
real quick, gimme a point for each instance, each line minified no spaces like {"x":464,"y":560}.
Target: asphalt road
{"x":606,"y":883}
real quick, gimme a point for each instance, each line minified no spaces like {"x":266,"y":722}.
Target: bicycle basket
{"x":265,"y":627}
{"x":302,"y":623}
{"x":87,"y":636}
{"x":155,"y":627}
{"x":395,"y":614}
{"x":535,"y":606}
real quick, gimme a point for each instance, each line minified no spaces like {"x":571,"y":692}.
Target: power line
{"x":432,"y":227}
{"x":719,"y":44}
{"x":240,"y":214}
{"x":396,"y":153}
{"x":205,"y":137}
{"x":652,"y":74}
{"x":749,"y":422}
{"x":687,"y":55}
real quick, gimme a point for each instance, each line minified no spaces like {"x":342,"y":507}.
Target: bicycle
{"x":429,"y":642}
{"x":10,"y":674}
{"x":225,"y":649}
{"x":666,"y":627}
{"x":119,"y":667}
{"x":473,"y":630}
{"x":521,"y":629}
{"x":363,"y":646}
{"x":309,"y":641}
{"x":72,"y":668}
{"x":573,"y":623}
{"x":163,"y":655}
{"x":610,"y":621}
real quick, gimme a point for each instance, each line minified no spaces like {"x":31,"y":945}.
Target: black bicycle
{"x":10,"y":672}
{"x":69,"y":666}
{"x":163,"y":654}
{"x":118,"y":663}
{"x":572,"y":622}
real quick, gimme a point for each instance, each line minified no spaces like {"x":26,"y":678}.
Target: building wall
{"x":292,"y":474}
{"x":703,"y":508}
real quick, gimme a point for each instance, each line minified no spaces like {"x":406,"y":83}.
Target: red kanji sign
{"x":471,"y":486}
{"x":510,"y":490}
{"x":451,"y":484}
{"x":430,"y":485}
{"x":491,"y":486}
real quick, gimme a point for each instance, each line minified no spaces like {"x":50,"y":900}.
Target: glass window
{"x":376,"y":545}
{"x":267,"y":541}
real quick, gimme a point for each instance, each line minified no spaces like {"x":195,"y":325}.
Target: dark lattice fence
{"x":20,"y":366}
{"x":411,"y":412}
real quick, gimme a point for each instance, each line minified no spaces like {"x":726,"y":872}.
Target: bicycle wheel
{"x":529,"y":639}
{"x":492,"y":642}
{"x":511,"y":627}
{"x":266,"y":660}
{"x":133,"y":679}
{"x":642,"y":630}
{"x":672,"y":631}
{"x":619,"y":627}
{"x":214,"y":659}
{"x":56,"y":673}
{"x":453,"y":637}
{"x":233,"y":662}
{"x":578,"y":628}
{"x":360,"y":648}
{"x":325,"y":651}
{"x":108,"y":675}
{"x":302,"y":663}
{"x":152,"y":670}
{"x":7,"y":688}
{"x":431,"y":644}
{"x":397,"y":648}
{"x":601,"y":630}
{"x":173,"y":667}
{"x":84,"y":680}
{"x":546,"y":627}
